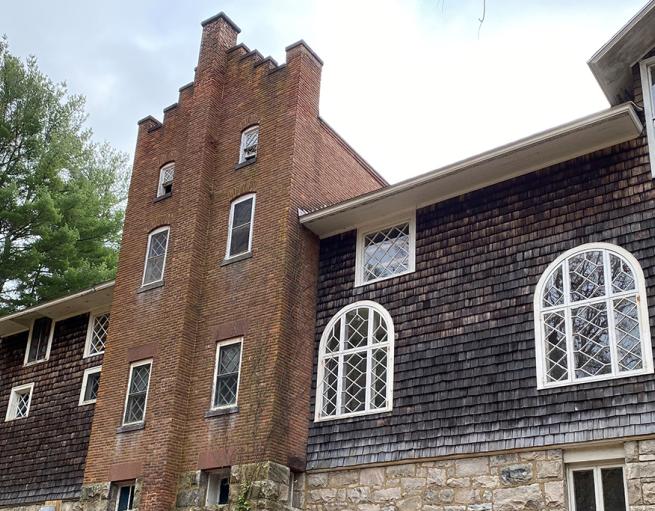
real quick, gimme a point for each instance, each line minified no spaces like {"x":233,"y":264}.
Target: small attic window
{"x":648,"y":91}
{"x":166,"y":174}
{"x":249,"y":140}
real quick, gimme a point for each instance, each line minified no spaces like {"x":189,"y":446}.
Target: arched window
{"x":355,"y":364}
{"x":591,"y":317}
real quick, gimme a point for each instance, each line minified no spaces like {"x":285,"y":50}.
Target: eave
{"x":582,"y":136}
{"x":612,"y":64}
{"x":94,"y":298}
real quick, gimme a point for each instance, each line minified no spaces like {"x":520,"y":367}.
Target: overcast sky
{"x":408,"y":83}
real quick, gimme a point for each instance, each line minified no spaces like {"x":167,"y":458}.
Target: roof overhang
{"x":582,"y":136}
{"x":94,"y":298}
{"x":612,"y":64}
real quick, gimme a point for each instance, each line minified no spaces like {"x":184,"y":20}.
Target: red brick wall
{"x":268,"y":298}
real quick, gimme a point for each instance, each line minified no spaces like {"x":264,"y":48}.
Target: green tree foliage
{"x":61,"y":194}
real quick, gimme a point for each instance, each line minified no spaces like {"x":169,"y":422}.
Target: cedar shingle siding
{"x":42,"y":456}
{"x":465,"y":376}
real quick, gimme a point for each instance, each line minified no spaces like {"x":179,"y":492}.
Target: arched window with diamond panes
{"x":355,"y":365}
{"x":591,"y":317}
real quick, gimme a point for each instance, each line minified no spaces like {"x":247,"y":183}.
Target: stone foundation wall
{"x":640,"y":474}
{"x":512,"y":482}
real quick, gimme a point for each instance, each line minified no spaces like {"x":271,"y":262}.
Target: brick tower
{"x":207,"y":372}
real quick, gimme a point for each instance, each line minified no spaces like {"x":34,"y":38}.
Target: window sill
{"x":219,"y":412}
{"x":595,"y":379}
{"x":162,"y":197}
{"x":148,"y":287}
{"x":245,"y":163}
{"x":359,"y":283}
{"x":236,"y":258}
{"x":131,"y":427}
{"x":357,"y":415}
{"x":35,"y":362}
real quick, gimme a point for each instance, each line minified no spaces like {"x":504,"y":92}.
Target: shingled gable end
{"x":286,"y":330}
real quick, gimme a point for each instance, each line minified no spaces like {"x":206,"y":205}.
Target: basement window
{"x":90,"y":385}
{"x":125,"y":498}
{"x":647,"y":68}
{"x":249,"y":141}
{"x":39,"y":341}
{"x":166,"y":174}
{"x":96,"y":334}
{"x":597,"y":488}
{"x":218,"y":488}
{"x":137,"y":392}
{"x":20,"y":400}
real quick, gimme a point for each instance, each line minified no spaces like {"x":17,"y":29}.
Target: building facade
{"x":288,"y":331}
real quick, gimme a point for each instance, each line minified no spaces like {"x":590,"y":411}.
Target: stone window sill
{"x":236,"y":259}
{"x":219,"y":412}
{"x":131,"y":427}
{"x":245,"y":163}
{"x":148,"y":287}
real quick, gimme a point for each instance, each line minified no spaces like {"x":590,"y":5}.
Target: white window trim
{"x":118,"y":491}
{"x":160,"y":183}
{"x":223,"y":473}
{"x":87,"y":372}
{"x":10,"y":404}
{"x":318,"y":402}
{"x":29,"y":344}
{"x":598,"y":488}
{"x":219,"y":345}
{"x":145,"y":262}
{"x":644,"y":324}
{"x":242,"y":145}
{"x":127,"y":390}
{"x":365,"y":230}
{"x":233,"y":204}
{"x":649,"y":109}
{"x":89,"y":333}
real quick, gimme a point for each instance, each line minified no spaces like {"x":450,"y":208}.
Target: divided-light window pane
{"x":98,"y":334}
{"x":386,"y":252}
{"x":227,"y":375}
{"x":39,"y":338}
{"x":156,"y":257}
{"x":92,"y":384}
{"x":598,"y":489}
{"x":249,"y":141}
{"x":135,"y":407}
{"x":240,"y":226}
{"x":166,"y":174}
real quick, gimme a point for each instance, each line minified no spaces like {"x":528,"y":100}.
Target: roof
{"x":562,"y":143}
{"x":611,"y":65}
{"x":93,"y":298}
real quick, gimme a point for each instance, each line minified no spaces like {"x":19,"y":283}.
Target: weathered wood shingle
{"x":465,"y":372}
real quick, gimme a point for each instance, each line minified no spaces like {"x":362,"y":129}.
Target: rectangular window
{"x":166,"y":174}
{"x":39,"y":340}
{"x":90,"y":384}
{"x":20,"y":399}
{"x":96,"y":334}
{"x":125,"y":498}
{"x":597,"y":488}
{"x":385,"y":252}
{"x":648,"y":91}
{"x":218,"y":488}
{"x":249,"y":141}
{"x":156,"y":256}
{"x":137,"y":392}
{"x":226,"y":374}
{"x":239,"y":238}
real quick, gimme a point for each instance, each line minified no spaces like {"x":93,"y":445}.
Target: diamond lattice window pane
{"x":158,"y":243}
{"x":591,"y":345}
{"x":555,"y":346}
{"x":92,"y":385}
{"x":240,"y":240}
{"x":554,"y":290}
{"x":628,"y":336}
{"x":136,"y":406}
{"x":379,"y":378}
{"x":226,"y":390}
{"x":386,"y":252}
{"x":353,"y":397}
{"x":99,"y":334}
{"x":622,"y":276}
{"x":586,"y":275}
{"x":332,"y":342}
{"x":379,"y":329}
{"x":356,"y":328}
{"x":229,"y":359}
{"x":330,"y":378}
{"x":249,"y":141}
{"x":167,"y":173}
{"x":140,"y":377}
{"x":22,"y":404}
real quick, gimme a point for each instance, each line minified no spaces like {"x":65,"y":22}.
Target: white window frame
{"x":242,"y":145}
{"x":127,"y":391}
{"x":118,"y":492}
{"x":646,"y":67}
{"x":89,"y":333}
{"x":160,"y":184}
{"x":145,"y":263}
{"x":29,"y":343}
{"x":644,"y":326}
{"x":11,"y":405}
{"x":598,"y":482}
{"x":391,"y":337}
{"x":233,"y":204}
{"x":220,"y":474}
{"x":85,"y":378}
{"x":365,"y":230}
{"x":219,"y":345}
